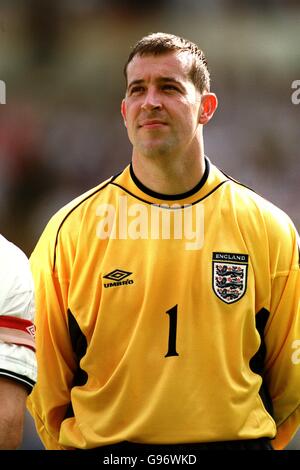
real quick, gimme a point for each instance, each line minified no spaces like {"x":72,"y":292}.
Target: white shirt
{"x":17,"y":356}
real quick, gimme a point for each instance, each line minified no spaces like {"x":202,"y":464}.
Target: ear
{"x":123,"y":111}
{"x":209,"y":103}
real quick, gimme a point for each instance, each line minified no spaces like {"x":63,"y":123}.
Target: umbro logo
{"x":31,"y":330}
{"x":118,"y":276}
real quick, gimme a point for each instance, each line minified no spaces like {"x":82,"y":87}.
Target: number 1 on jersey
{"x":172,"y":312}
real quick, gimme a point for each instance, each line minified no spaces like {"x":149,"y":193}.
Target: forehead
{"x":174,"y":64}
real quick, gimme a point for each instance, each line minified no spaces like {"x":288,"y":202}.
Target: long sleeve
{"x":51,"y":395}
{"x":283,"y":341}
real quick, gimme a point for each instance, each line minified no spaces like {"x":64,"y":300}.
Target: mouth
{"x":152,"y":124}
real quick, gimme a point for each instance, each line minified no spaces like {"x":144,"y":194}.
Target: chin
{"x":153,"y":151}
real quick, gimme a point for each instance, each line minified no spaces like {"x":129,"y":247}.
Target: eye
{"x":170,"y":87}
{"x":136,"y":89}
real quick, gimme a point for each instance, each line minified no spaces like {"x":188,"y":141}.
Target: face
{"x":162,"y":108}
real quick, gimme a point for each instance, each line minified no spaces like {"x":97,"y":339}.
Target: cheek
{"x":187,"y":110}
{"x":194,"y":115}
{"x":131,"y":114}
{"x":189,"y":118}
{"x":130,"y":123}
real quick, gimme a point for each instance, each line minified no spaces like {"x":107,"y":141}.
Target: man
{"x":17,"y":345}
{"x":168,"y":296}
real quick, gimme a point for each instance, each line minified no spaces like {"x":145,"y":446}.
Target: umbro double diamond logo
{"x":118,"y":276}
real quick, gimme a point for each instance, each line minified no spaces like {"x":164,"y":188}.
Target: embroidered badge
{"x":229,"y":276}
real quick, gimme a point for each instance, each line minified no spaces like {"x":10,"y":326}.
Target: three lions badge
{"x":229,"y":276}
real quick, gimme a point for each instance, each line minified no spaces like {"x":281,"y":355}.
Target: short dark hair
{"x":162,"y":43}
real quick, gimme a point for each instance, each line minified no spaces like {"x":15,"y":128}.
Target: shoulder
{"x":255,"y":208}
{"x":9,"y":251}
{"x":14,"y":262}
{"x":76,"y":207}
{"x":15,"y":274}
{"x":64,"y":226}
{"x":264,"y":226}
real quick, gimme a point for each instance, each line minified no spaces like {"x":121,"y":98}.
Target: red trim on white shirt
{"x":17,"y":331}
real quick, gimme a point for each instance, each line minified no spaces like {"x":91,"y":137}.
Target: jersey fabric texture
{"x":17,"y":344}
{"x":164,"y":320}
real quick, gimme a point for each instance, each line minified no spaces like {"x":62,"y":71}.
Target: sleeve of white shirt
{"x":17,"y":346}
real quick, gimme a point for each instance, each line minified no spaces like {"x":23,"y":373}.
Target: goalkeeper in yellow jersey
{"x":167,"y":297}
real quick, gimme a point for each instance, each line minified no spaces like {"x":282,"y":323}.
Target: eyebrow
{"x":134,"y":82}
{"x":159,"y":80}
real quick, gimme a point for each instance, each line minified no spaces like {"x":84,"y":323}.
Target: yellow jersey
{"x":167,"y":319}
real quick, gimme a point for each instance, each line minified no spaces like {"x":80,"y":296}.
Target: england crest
{"x":229,"y":276}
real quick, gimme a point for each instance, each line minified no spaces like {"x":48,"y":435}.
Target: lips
{"x":152,"y":123}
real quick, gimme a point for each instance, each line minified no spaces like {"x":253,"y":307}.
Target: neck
{"x":169,"y":175}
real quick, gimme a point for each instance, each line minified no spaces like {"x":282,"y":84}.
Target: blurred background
{"x":61,"y":132}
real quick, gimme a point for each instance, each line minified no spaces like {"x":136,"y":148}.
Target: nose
{"x":151,"y":100}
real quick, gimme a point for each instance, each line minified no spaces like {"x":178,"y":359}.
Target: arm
{"x":13,"y":400}
{"x":282,"y":340}
{"x":50,"y":398}
{"x":17,"y":357}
